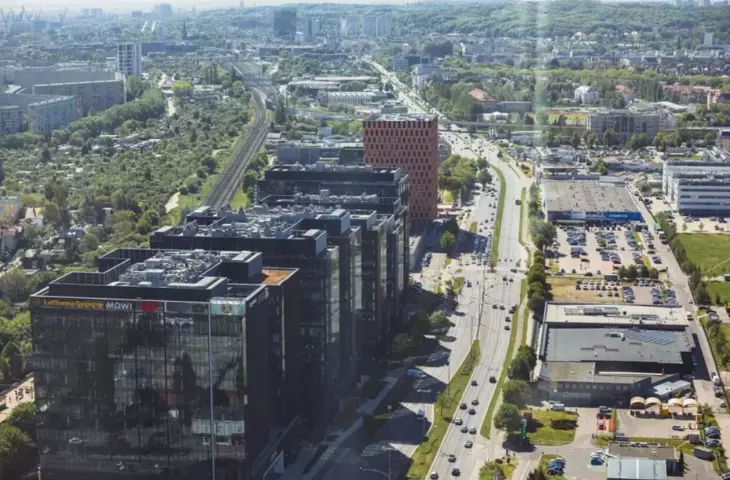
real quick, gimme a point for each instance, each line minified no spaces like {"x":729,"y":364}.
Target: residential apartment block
{"x":45,"y":113}
{"x":96,"y":95}
{"x":625,"y":123}
{"x":129,"y":59}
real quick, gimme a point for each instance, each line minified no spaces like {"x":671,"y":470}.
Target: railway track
{"x":231,"y":176}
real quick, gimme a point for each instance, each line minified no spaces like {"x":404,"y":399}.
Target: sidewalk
{"x":296,"y":470}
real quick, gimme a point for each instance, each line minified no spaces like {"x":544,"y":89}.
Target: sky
{"x":51,"y":7}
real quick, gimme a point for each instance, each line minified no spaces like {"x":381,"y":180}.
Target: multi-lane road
{"x":492,"y":290}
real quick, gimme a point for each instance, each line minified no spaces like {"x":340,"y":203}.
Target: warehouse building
{"x":607,"y":354}
{"x":588,"y":199}
{"x":697,"y":188}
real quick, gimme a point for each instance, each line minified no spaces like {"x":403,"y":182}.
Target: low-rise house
{"x":34,"y":216}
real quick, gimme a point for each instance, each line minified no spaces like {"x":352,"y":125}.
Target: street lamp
{"x":423,"y":393}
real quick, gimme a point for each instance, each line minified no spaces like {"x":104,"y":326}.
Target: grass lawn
{"x":719,"y":288}
{"x":540,"y":432}
{"x":709,"y":251}
{"x":498,"y":217}
{"x":724,"y":329}
{"x":486,"y":428}
{"x":505,"y":469}
{"x":443,"y":413}
{"x":544,"y":461}
{"x":523,"y":194}
{"x":562,"y":289}
{"x":678,"y":443}
{"x":447,"y":196}
{"x":240,"y":199}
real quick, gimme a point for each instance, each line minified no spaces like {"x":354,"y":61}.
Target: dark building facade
{"x":285,"y":23}
{"x":137,"y":364}
{"x":382,"y":189}
{"x":284,"y":244}
{"x":384,"y":267}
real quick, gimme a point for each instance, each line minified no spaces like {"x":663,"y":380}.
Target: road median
{"x":444,"y":409}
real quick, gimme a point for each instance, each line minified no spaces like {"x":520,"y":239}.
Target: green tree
{"x":516,"y":392}
{"x":403,"y":345}
{"x":17,"y":452}
{"x":23,"y":417}
{"x":702,"y":295}
{"x":448,"y":241}
{"x":182,"y":89}
{"x":575,"y":140}
{"x":135,"y":88}
{"x":508,"y":418}
{"x":610,"y":138}
{"x":484,"y":177}
{"x":12,"y":363}
{"x":482,"y":163}
{"x":280,"y":112}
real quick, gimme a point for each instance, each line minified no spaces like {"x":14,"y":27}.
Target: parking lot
{"x":596,"y":249}
{"x":654,"y":426}
{"x":693,"y":224}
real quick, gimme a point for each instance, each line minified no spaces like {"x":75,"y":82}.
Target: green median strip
{"x":444,"y":410}
{"x":487,"y":425}
{"x":523,"y":194}
{"x":498,"y":218}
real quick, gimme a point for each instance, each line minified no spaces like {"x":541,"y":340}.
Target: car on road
{"x":456,"y":472}
{"x":462,"y":406}
{"x":475,"y":402}
{"x":495,"y":306}
{"x":504,"y":279}
{"x":507,"y":319}
{"x":492,"y":379}
{"x":472,"y":411}
{"x":506,"y":327}
{"x":678,"y":428}
{"x":458,"y":421}
{"x":434,"y":476}
{"x":473,"y":430}
{"x":468,"y":444}
{"x":452,"y":458}
{"x":474,"y":383}
{"x":501,"y":307}
{"x":464,"y":429}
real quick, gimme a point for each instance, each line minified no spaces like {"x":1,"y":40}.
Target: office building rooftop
{"x":587,"y":195}
{"x":622,"y":315}
{"x":401,"y":117}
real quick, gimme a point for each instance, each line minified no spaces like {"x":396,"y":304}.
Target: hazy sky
{"x":50,"y":6}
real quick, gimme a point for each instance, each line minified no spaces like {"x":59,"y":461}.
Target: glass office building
{"x":156,"y":366}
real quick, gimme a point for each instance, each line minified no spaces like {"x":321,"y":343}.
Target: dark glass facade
{"x":319,"y":304}
{"x":137,"y":386}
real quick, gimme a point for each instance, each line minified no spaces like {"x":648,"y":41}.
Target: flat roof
{"x":634,"y":450}
{"x":402,"y":117}
{"x":275,"y":276}
{"x":587,"y":196}
{"x":636,"y":469}
{"x":586,"y":372}
{"x":601,"y":344}
{"x":614,"y":315}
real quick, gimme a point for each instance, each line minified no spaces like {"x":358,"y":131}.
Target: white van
{"x":557,"y":407}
